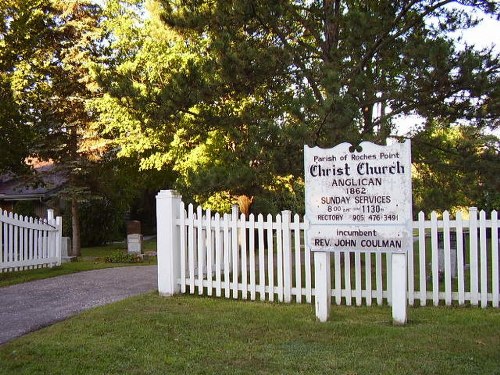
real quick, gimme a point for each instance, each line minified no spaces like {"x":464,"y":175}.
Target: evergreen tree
{"x":50,"y":44}
{"x":227,"y":92}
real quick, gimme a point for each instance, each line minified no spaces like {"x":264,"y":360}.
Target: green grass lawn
{"x":197,"y":335}
{"x":92,"y":258}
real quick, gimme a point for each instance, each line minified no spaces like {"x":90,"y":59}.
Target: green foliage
{"x":123,"y":257}
{"x":25,"y":208}
{"x":101,"y":222}
{"x":455,"y":167}
{"x":284,"y":193}
{"x":218,"y":202}
{"x":226,"y":94}
{"x":220,"y":97}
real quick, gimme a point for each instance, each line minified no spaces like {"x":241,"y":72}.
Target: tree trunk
{"x":75,"y":226}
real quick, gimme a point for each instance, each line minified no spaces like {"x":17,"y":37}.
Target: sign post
{"x":359,"y":199}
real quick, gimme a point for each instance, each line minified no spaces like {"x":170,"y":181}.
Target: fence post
{"x":51,"y":236}
{"x":399,"y":286}
{"x":54,"y":238}
{"x":322,"y":285}
{"x":169,"y":269}
{"x":59,"y":240}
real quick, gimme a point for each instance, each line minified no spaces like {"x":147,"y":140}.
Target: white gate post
{"x":322,"y":285}
{"x":168,"y":246}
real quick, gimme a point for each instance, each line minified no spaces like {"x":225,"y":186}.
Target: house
{"x":32,"y":194}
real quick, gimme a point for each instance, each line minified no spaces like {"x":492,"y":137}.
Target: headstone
{"x":134,"y":237}
{"x":453,"y":254}
{"x":134,"y":227}
{"x":65,"y":249}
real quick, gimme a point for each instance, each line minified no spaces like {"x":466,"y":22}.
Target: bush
{"x":122,"y":257}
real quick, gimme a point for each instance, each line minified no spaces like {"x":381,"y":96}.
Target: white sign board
{"x":359,"y":199}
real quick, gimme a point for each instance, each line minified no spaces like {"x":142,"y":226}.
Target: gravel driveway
{"x":30,"y":306}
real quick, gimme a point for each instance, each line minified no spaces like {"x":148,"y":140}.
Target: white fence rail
{"x":27,"y":243}
{"x":453,"y":260}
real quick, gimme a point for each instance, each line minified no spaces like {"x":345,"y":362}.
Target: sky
{"x":486,"y":34}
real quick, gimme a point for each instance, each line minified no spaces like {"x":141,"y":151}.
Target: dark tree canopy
{"x":226,"y":93}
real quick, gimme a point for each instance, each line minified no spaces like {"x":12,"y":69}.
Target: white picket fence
{"x":265,"y":258}
{"x":27,"y":243}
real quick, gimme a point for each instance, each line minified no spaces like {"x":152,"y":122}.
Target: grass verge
{"x":92,"y":258}
{"x":196,"y":335}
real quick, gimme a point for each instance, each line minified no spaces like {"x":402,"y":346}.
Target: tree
{"x":51,"y":43}
{"x":455,"y":167}
{"x":21,"y":30}
{"x":226,"y":93}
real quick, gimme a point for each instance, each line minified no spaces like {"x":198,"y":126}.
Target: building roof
{"x":45,"y":181}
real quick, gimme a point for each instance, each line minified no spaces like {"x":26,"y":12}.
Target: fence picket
{"x":11,"y":240}
{"x":357,"y":276}
{"x":234,"y":250}
{"x":368,"y":278}
{"x":279,"y":257}
{"x":483,"y":259}
{"x":227,"y":255}
{"x":201,"y":253}
{"x":379,"y":280}
{"x":337,"y":285}
{"x":435,"y":258}
{"x":218,"y":255}
{"x":244,"y":254}
{"x":495,"y":282}
{"x":210,"y":252}
{"x":460,"y":260}
{"x":182,"y":245}
{"x":410,"y":260}
{"x":32,"y":240}
{"x":388,"y":265}
{"x":447,"y":257}
{"x":270,"y":257}
{"x":308,"y":265}
{"x":15,"y":229}
{"x":251,"y":254}
{"x":262,"y":262}
{"x":474,"y":271}
{"x":298,"y":260}
{"x":25,"y":241}
{"x":347,"y":278}
{"x":287,"y":256}
{"x":191,"y":248}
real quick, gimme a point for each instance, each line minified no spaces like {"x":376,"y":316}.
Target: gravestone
{"x":134,"y":237}
{"x":65,"y":249}
{"x":453,"y":254}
